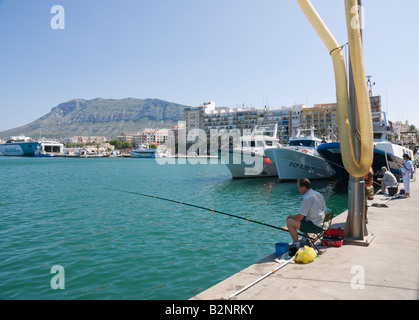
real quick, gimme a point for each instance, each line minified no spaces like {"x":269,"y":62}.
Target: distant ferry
{"x":19,"y":146}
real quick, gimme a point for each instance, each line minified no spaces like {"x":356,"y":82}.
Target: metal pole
{"x":355,"y":227}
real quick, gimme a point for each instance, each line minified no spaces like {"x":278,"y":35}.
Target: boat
{"x":248,"y":159}
{"x":49,"y":149}
{"x":386,"y":153}
{"x":19,"y":146}
{"x":163,"y":152}
{"x":300,"y":159}
{"x":143,"y":152}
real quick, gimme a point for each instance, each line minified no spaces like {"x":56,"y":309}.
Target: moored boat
{"x":300,"y":159}
{"x":143,"y":152}
{"x":386,"y":153}
{"x":248,"y":160}
{"x":19,"y":146}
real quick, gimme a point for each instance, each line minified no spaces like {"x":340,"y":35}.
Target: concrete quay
{"x":387,"y":268}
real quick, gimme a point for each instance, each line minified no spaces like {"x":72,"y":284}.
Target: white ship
{"x":383,"y":141}
{"x":248,"y":160}
{"x":300,"y":159}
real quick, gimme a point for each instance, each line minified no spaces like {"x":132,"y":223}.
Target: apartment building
{"x":150,"y":136}
{"x":195,"y":116}
{"x":87,"y":139}
{"x":321,"y":116}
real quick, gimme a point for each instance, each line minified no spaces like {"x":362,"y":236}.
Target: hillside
{"x":101,"y":117}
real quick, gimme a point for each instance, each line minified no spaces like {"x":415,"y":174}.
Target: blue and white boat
{"x":386,"y":153}
{"x":19,"y":146}
{"x":143,"y":152}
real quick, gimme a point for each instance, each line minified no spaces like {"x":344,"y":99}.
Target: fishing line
{"x":203,"y":208}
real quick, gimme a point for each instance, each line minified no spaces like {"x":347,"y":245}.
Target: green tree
{"x":116,"y":143}
{"x":126,"y":145}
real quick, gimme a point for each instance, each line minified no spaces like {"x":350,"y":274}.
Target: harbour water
{"x":115,"y":245}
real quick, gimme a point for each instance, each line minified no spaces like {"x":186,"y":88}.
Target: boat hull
{"x":44,"y":155}
{"x":294,"y":164}
{"x":144,"y":154}
{"x":332,"y":153}
{"x":255,"y":165}
{"x":26,"y":149}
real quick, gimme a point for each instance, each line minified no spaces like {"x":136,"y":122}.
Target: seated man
{"x":388,"y":180}
{"x":311,"y":215}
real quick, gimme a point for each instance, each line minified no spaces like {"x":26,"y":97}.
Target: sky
{"x":232,"y":52}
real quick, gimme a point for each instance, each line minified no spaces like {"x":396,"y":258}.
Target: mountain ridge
{"x":101,"y":117}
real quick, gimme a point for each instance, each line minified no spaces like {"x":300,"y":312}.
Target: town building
{"x":125,"y":137}
{"x":87,"y":139}
{"x":322,"y":117}
{"x":150,"y":136}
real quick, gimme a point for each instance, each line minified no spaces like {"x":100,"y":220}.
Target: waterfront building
{"x":150,"y":136}
{"x":87,"y":139}
{"x":323,"y":117}
{"x":194,"y":116}
{"x":125,"y":137}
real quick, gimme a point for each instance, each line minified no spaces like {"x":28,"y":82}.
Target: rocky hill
{"x":101,"y":117}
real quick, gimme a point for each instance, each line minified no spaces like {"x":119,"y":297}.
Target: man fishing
{"x":311,"y":215}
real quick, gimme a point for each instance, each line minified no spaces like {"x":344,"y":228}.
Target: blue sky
{"x":233,"y":52}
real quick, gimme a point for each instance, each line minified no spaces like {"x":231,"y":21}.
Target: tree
{"x":116,"y":143}
{"x":126,"y":145}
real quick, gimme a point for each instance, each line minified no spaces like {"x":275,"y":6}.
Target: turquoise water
{"x":115,"y":245}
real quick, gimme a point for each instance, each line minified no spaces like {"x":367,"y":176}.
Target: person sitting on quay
{"x":388,"y":180}
{"x":311,"y":215}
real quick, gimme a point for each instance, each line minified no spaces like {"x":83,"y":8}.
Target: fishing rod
{"x":200,"y":207}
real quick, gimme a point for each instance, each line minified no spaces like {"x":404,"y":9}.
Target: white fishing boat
{"x":248,"y":159}
{"x":300,"y":159}
{"x":163,"y":152}
{"x":383,"y":141}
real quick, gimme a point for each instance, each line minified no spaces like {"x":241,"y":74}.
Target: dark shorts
{"x":308,"y":227}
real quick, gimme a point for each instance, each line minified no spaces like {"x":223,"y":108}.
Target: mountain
{"x":101,"y":117}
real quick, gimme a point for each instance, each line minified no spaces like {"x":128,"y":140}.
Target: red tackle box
{"x":333,"y":237}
